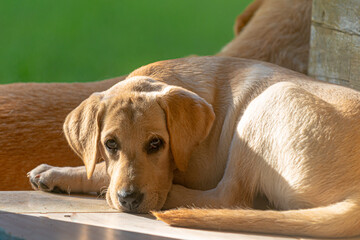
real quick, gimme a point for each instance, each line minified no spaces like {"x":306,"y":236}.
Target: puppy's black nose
{"x":130,"y":200}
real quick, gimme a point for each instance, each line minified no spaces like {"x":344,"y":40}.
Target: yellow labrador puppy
{"x":214,"y":132}
{"x":31,"y":115}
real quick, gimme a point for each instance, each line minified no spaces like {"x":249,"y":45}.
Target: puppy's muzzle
{"x":130,"y":199}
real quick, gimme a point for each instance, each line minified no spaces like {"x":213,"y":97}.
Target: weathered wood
{"x":59,"y":216}
{"x":23,"y":227}
{"x":335,"y":42}
{"x":42,"y":202}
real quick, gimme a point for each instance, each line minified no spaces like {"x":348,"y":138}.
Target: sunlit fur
{"x":276,"y":31}
{"x":31,"y":115}
{"x":248,"y":128}
{"x":31,"y":119}
{"x":132,"y":113}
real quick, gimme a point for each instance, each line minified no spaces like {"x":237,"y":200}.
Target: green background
{"x":88,"y":40}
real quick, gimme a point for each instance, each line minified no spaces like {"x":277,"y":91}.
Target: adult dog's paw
{"x":47,"y":178}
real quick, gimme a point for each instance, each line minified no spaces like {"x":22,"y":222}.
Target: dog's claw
{"x":43,"y":186}
{"x":36,"y":177}
{"x":57,"y":190}
{"x":34,"y":183}
{"x":45,"y":178}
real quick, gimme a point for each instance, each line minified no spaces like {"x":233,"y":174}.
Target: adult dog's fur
{"x":276,"y":31}
{"x":215,"y":132}
{"x":31,"y":115}
{"x":31,"y":119}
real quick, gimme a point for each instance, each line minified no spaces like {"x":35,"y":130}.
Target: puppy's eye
{"x":111,"y":145}
{"x":154,"y":145}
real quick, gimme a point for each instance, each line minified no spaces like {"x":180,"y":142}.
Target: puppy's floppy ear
{"x":82,"y":131}
{"x":189,"y":120}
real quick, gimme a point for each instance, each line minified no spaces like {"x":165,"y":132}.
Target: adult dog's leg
{"x":68,"y":179}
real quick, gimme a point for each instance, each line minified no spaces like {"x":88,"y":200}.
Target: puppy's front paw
{"x":47,"y":178}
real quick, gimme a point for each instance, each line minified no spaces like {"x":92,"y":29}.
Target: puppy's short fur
{"x":31,"y":115}
{"x":215,"y":132}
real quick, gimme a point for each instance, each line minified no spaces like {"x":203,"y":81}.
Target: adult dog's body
{"x":31,"y":115}
{"x":216,"y":132}
{"x":31,"y":119}
{"x":275,"y":31}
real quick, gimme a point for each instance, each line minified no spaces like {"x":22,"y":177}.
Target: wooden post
{"x":335,"y":42}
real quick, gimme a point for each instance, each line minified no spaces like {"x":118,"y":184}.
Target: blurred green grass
{"x":88,"y":40}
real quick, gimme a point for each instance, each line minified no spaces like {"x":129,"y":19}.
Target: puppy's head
{"x":144,"y":130}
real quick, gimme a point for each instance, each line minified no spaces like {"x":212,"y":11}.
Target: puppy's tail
{"x":337,"y":220}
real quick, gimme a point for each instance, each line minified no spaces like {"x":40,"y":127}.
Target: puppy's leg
{"x":237,"y":187}
{"x":68,"y":179}
{"x":286,"y":126}
{"x":231,"y":191}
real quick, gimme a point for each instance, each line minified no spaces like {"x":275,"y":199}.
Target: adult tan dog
{"x":215,"y":132}
{"x":31,"y":119}
{"x":31,"y":115}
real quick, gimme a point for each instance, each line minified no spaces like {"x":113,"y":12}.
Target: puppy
{"x":31,"y":115}
{"x":215,"y":132}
